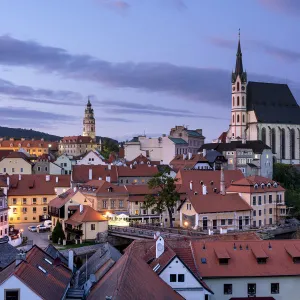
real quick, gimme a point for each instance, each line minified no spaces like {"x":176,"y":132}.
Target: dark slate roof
{"x":54,"y":253}
{"x":7,"y":253}
{"x":134,"y":140}
{"x":272,"y":103}
{"x":194,"y":133}
{"x":177,"y":140}
{"x":212,"y":155}
{"x":256,"y":146}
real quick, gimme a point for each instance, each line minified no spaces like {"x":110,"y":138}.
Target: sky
{"x":147,"y":65}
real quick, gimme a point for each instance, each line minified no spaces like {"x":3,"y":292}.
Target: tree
{"x":58,"y":233}
{"x":166,"y":195}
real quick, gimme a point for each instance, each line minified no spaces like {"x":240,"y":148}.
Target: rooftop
{"x":88,"y":214}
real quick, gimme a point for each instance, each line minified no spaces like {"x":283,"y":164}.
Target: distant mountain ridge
{"x":18,"y":133}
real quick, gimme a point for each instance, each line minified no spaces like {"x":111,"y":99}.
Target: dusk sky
{"x":148,"y":64}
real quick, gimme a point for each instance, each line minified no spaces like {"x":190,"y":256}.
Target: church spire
{"x":239,"y":71}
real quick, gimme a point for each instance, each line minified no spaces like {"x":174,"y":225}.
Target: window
{"x":259,"y":212}
{"x":274,"y":288}
{"x":243,"y":118}
{"x":104,"y":204}
{"x":270,"y":211}
{"x":223,"y":221}
{"x":246,"y":220}
{"x":263,"y":135}
{"x":282,"y":143}
{"x":232,"y":101}
{"x":172,"y":277}
{"x":24,"y":200}
{"x":238,"y":86}
{"x":223,"y":261}
{"x":254,"y":213}
{"x":254,"y":200}
{"x":270,"y":199}
{"x":24,"y":209}
{"x":238,"y":101}
{"x":93,"y":227}
{"x":34,"y":210}
{"x":238,"y":118}
{"x":227,"y":289}
{"x":39,"y":168}
{"x":33,"y":200}
{"x":243,"y":101}
{"x":13,"y":170}
{"x":251,"y":288}
{"x":21,"y":170}
{"x":45,"y":209}
{"x":293,"y":143}
{"x":232,"y":118}
{"x":270,"y":221}
{"x":229,"y":221}
{"x":46,"y":169}
{"x":112,"y":203}
{"x":273,"y":140}
{"x":121,"y":203}
{"x":259,"y":200}
{"x":259,"y":223}
{"x":12,"y":294}
{"x":180,"y":277}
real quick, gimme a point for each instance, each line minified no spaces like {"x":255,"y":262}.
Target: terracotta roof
{"x":222,"y":137}
{"x":126,"y":280}
{"x":18,"y":155}
{"x":63,"y":198}
{"x":3,"y":180}
{"x":218,"y":203}
{"x":4,"y":153}
{"x":141,"y":159}
{"x":36,"y":184}
{"x":77,"y":140}
{"x":50,"y":281}
{"x":243,"y":262}
{"x":182,"y":162}
{"x":87,"y":215}
{"x":80,"y":173}
{"x":246,"y":185}
{"x":137,"y":171}
{"x":29,"y":144}
{"x":210,"y":178}
{"x":101,"y":187}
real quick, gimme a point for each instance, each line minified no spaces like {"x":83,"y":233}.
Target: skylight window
{"x":42,"y":269}
{"x":203,"y":260}
{"x":48,"y":261}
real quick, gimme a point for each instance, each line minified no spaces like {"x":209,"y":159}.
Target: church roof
{"x":272,"y":103}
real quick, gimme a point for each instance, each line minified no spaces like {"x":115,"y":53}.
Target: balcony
{"x":74,"y":231}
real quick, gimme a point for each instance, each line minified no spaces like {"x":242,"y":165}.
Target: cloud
{"x":117,"y":5}
{"x":116,"y":120}
{"x":278,"y":52}
{"x":291,"y":7}
{"x":197,"y":84}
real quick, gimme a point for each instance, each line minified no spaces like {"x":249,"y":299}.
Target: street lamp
{"x":186,"y":223}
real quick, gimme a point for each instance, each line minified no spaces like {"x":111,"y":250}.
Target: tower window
{"x":232,"y":101}
{"x":238,"y":118}
{"x":243,"y":118}
{"x":238,"y":101}
{"x":238,"y":86}
{"x":243,"y":101}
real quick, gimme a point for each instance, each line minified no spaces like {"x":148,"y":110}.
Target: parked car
{"x":32,"y":228}
{"x":48,"y":223}
{"x":42,"y":227}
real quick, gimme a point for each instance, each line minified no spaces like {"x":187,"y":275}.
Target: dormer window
{"x":255,"y":185}
{"x":211,"y":182}
{"x":223,"y":261}
{"x":215,"y":190}
{"x":269,"y":185}
{"x":261,"y":260}
{"x":275,"y":184}
{"x":262,"y":185}
{"x":201,"y":182}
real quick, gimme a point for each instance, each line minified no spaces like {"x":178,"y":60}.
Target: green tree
{"x":166,"y":195}
{"x":58,"y":233}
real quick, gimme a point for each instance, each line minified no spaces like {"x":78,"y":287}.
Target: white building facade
{"x":266,"y":112}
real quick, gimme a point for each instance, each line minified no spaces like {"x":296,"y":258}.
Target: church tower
{"x":239,"y":99}
{"x":89,"y":125}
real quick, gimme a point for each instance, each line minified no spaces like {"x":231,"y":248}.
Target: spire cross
{"x":239,"y":33}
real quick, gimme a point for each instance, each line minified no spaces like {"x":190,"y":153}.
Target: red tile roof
{"x":29,"y":144}
{"x":211,"y":203}
{"x":141,"y":159}
{"x":63,"y":198}
{"x":180,"y":163}
{"x":50,"y":282}
{"x":87,"y":215}
{"x":101,"y":187}
{"x":77,"y":140}
{"x":36,"y":184}
{"x":126,"y":281}
{"x":80,"y":173}
{"x":137,"y":171}
{"x":222,"y":137}
{"x":246,"y":185}
{"x":243,"y":261}
{"x":210,"y":178}
{"x":4,"y":153}
{"x":18,"y":155}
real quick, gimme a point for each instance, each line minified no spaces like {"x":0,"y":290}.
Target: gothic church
{"x":265,"y":111}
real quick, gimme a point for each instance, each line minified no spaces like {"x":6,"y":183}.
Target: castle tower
{"x":89,"y":125}
{"x":239,"y":99}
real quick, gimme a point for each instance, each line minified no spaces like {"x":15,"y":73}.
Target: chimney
{"x":190,"y":155}
{"x":131,"y":166}
{"x":160,"y":247}
{"x":81,"y":208}
{"x":7,"y":181}
{"x":222,"y":182}
{"x":109,"y":166}
{"x":74,"y":189}
{"x":100,"y":178}
{"x":184,"y":156}
{"x":71,"y":260}
{"x":204,"y":152}
{"x":56,"y":179}
{"x":90,"y":174}
{"x":204,"y":189}
{"x":191,"y":185}
{"x":108,"y":178}
{"x":47,"y":177}
{"x":20,"y":176}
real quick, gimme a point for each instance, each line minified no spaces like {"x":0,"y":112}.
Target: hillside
{"x":17,"y":133}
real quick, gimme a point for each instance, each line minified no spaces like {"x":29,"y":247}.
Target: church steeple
{"x":239,"y":71}
{"x":89,"y":124}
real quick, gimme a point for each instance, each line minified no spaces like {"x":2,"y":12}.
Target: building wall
{"x":3,"y":217}
{"x":14,"y":283}
{"x":287,"y":287}
{"x":65,"y":162}
{"x":99,"y":203}
{"x":76,"y":149}
{"x":15,"y":166}
{"x":140,"y":214}
{"x":190,"y":289}
{"x":91,"y":159}
{"x":89,"y":234}
{"x":133,"y":180}
{"x":41,"y":167}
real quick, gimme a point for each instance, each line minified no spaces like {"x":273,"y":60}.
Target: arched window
{"x":282,"y":143}
{"x":238,"y":101}
{"x":243,"y":118}
{"x":273,"y":140}
{"x":232,"y":101}
{"x":263,"y":135}
{"x":243,"y":101}
{"x":238,"y":86}
{"x":293,"y":143}
{"x":238,"y":118}
{"x":232,"y":118}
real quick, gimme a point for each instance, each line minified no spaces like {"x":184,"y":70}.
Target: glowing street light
{"x":186,"y":223}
